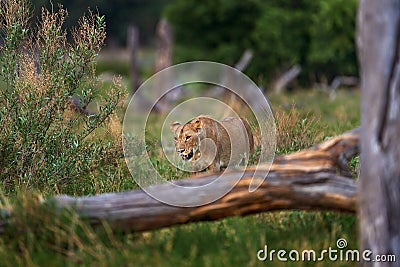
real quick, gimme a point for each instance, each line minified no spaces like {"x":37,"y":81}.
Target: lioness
{"x":232,"y":138}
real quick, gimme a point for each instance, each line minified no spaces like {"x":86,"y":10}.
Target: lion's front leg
{"x":215,"y":165}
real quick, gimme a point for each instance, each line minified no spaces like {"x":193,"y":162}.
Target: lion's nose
{"x":181,"y":150}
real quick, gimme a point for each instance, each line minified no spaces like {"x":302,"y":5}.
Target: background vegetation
{"x":317,"y":35}
{"x":46,"y":148}
{"x":119,"y":15}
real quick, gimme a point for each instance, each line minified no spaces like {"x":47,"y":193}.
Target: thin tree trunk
{"x":133,"y":48}
{"x":165,"y":42}
{"x":379,"y":190}
{"x":164,"y":60}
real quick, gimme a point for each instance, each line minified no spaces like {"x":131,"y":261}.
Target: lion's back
{"x":238,"y":138}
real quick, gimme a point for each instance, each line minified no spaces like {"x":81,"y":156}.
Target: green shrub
{"x":212,"y":30}
{"x":332,"y":48}
{"x":42,"y":143}
{"x":281,"y":38}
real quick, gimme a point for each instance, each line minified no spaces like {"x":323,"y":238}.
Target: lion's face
{"x":187,"y":139}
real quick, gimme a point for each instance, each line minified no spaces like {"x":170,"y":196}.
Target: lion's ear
{"x":174,"y":126}
{"x":197,"y":124}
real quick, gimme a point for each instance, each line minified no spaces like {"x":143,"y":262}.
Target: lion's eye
{"x":175,"y":139}
{"x":187,"y":137}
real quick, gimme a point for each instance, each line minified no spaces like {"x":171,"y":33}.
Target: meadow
{"x":47,"y":149}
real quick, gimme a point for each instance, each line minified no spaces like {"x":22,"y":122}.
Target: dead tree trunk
{"x":137,"y":211}
{"x":133,"y":48}
{"x":165,"y":41}
{"x":283,"y":81}
{"x":164,"y":60}
{"x":379,"y":190}
{"x":241,"y":65}
{"x":307,"y":180}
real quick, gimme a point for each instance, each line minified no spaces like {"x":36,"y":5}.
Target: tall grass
{"x":296,"y":130}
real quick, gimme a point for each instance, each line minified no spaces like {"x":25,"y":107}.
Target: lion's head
{"x":187,"y":139}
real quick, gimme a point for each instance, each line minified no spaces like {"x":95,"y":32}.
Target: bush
{"x":281,"y":38}
{"x":42,"y":143}
{"x":212,"y":30}
{"x":332,"y":48}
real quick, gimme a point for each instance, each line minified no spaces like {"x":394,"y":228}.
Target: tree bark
{"x":164,"y":60}
{"x":165,"y":42}
{"x":137,"y":211}
{"x":379,"y":190}
{"x":306,"y":180}
{"x":133,"y":48}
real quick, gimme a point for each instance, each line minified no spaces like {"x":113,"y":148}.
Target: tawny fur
{"x":222,"y":133}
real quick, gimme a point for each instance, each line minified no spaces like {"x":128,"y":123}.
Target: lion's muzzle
{"x":187,"y":156}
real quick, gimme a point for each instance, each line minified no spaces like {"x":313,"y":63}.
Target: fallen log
{"x":286,"y":78}
{"x":312,"y":179}
{"x":241,"y":65}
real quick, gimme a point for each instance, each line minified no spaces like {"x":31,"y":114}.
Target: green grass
{"x":335,"y":116}
{"x":117,"y":62}
{"x":229,"y":242}
{"x":41,"y":237}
